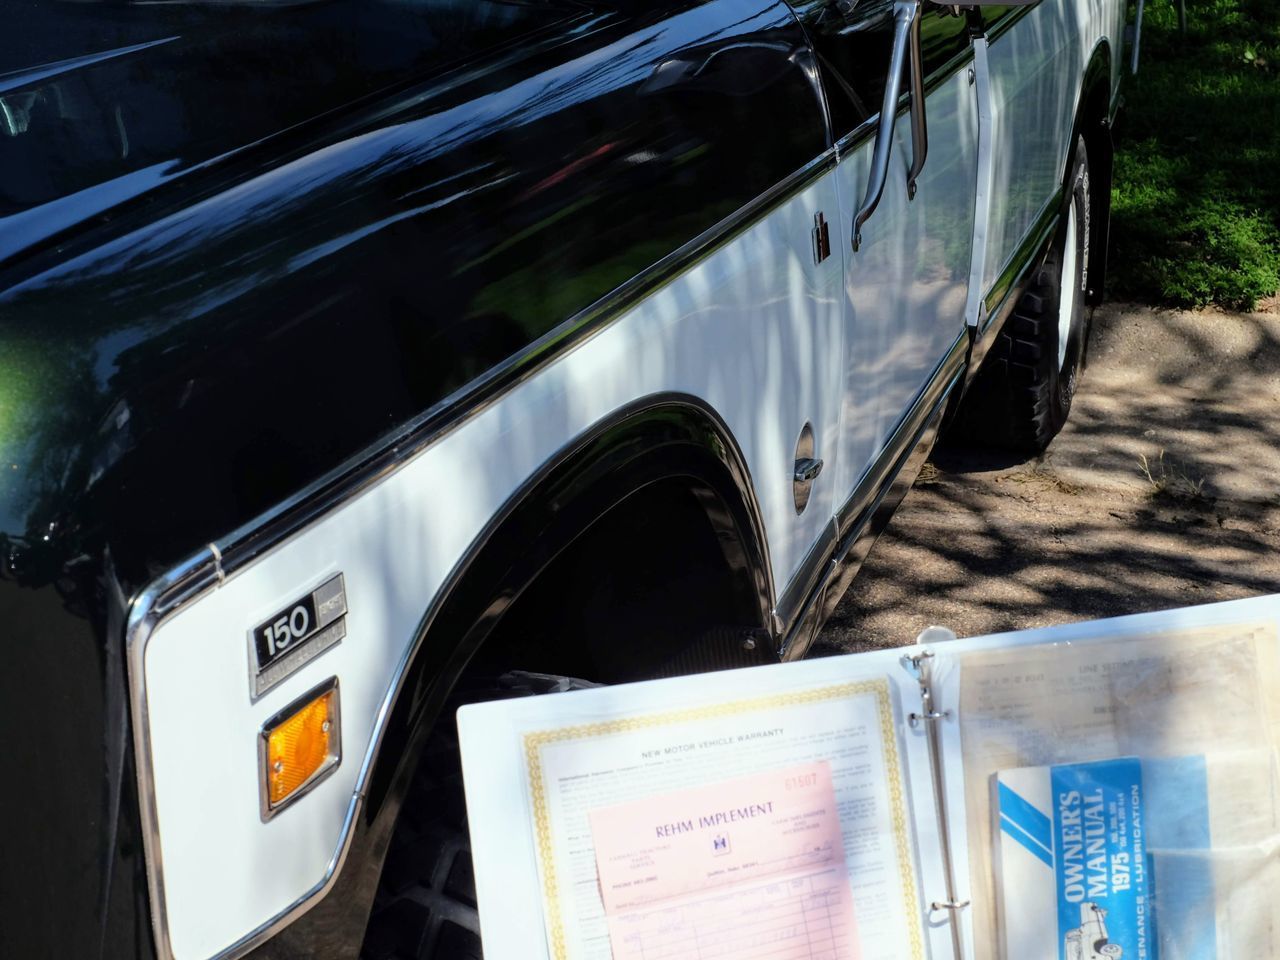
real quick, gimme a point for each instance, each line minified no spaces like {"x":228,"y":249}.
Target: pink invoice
{"x":748,"y":868}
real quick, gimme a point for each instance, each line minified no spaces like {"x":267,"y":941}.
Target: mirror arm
{"x":919,"y":127}
{"x":906,"y":14}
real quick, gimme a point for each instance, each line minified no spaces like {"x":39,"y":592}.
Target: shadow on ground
{"x":1163,"y":491}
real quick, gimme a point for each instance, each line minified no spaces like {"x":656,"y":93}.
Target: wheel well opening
{"x":646,"y":590}
{"x":656,"y":585}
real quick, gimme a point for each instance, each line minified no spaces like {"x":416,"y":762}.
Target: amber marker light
{"x":299,"y":746}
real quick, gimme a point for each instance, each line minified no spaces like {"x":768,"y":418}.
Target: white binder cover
{"x":915,"y":739}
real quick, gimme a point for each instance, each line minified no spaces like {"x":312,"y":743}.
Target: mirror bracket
{"x":919,"y":126}
{"x":906,"y":46}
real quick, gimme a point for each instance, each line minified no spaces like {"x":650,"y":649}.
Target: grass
{"x":1196,"y":203}
{"x":1168,"y":481}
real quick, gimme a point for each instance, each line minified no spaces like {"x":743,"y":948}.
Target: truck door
{"x":1035,"y":60}
{"x":906,"y":284}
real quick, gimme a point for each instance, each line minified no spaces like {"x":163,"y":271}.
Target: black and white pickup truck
{"x":354,"y":351}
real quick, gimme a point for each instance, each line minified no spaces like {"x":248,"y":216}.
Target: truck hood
{"x":103,"y":104}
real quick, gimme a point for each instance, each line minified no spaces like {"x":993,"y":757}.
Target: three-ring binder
{"x":920,"y":665}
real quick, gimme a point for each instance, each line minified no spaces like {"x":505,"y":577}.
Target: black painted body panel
{"x":233,"y":259}
{"x":235,"y":349}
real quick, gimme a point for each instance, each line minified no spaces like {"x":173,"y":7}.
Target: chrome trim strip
{"x":808,"y":575}
{"x":375,"y":462}
{"x":1022,"y":259}
{"x":151,"y":610}
{"x":209,"y":568}
{"x":974,"y":307}
{"x":874,"y":485}
{"x":265,"y":808}
{"x":190,"y":579}
{"x":300,"y":906}
{"x":878,"y":476}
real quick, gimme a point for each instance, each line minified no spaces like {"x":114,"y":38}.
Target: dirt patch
{"x":1162,"y":491}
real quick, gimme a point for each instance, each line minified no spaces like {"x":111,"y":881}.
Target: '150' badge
{"x":298,"y":634}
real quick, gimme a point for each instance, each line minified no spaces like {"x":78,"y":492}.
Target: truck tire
{"x":425,"y":908}
{"x":1022,"y":395}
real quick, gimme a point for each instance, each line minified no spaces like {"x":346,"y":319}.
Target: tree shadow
{"x":989,"y":541}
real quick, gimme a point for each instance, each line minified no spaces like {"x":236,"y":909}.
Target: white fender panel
{"x":754,"y":330}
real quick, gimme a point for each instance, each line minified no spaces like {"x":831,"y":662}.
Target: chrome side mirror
{"x":906,"y":45}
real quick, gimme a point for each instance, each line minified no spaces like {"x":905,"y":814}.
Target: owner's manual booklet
{"x":1072,"y":841}
{"x":1099,"y":790}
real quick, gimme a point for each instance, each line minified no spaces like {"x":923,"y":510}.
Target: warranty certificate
{"x":576,"y":773}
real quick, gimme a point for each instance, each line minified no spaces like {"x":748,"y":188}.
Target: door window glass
{"x":853,"y":40}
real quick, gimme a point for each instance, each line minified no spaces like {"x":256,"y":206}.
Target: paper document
{"x":1105,"y":791}
{"x":749,"y":868}
{"x":660,"y":759}
{"x":1168,"y":695}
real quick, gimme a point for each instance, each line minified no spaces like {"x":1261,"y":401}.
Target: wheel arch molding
{"x":669,"y":437}
{"x":663,"y":437}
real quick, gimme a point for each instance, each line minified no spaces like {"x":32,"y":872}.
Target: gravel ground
{"x":1162,"y":491}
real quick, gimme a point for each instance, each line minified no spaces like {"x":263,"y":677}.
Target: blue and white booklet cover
{"x":1073,"y":852}
{"x":1116,"y":859}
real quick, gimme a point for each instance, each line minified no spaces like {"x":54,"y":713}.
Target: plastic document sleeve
{"x":1099,"y":791}
{"x":1112,"y":785}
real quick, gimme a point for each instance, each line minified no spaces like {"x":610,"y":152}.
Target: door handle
{"x":807,"y":469}
{"x":906,"y":46}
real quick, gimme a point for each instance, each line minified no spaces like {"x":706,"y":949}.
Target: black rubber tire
{"x":1021,"y":397}
{"x":425,"y":908}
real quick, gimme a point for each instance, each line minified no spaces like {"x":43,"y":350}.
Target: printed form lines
{"x":789,"y":919}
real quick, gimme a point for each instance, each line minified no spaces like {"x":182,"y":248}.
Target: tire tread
{"x":1015,"y":401}
{"x":425,"y":908}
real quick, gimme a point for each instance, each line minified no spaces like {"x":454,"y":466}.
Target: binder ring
{"x":914,"y":718}
{"x":949,"y":904}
